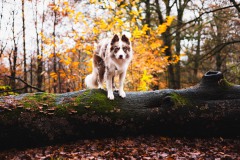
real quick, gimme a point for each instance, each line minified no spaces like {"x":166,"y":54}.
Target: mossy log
{"x":211,"y":108}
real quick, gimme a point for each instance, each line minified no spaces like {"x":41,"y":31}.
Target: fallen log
{"x":211,"y":108}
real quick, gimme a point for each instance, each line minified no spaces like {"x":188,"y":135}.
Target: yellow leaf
{"x":145,"y":80}
{"x":163,"y":49}
{"x":74,"y":50}
{"x":95,"y":30}
{"x":65,"y":3}
{"x":169,"y":20}
{"x":92,"y":1}
{"x":61,"y":41}
{"x":137,"y":33}
{"x":156,"y":44}
{"x":75,"y":64}
{"x":89,"y":48}
{"x":39,"y":57}
{"x":161,"y":28}
{"x":53,"y":75}
{"x":51,"y":55}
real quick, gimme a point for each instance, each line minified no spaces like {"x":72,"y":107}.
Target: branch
{"x":27,"y":85}
{"x":215,"y":10}
{"x":13,"y":90}
{"x":235,"y":5}
{"x":197,"y":18}
{"x":217,"y":48}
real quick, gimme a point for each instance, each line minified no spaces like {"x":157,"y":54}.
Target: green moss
{"x":91,"y":101}
{"x":179,"y":100}
{"x":61,"y":110}
{"x":36,"y":100}
{"x":6,"y":91}
{"x":224,"y":83}
{"x":95,"y":100}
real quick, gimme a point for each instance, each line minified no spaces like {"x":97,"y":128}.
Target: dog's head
{"x":120,"y":48}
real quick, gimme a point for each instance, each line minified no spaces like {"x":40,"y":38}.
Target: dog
{"x":111,"y":58}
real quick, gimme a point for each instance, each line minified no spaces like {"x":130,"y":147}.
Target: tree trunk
{"x":197,"y":55}
{"x":39,"y":55}
{"x":24,"y":47}
{"x":167,"y":39}
{"x":40,"y":68}
{"x":55,"y":83}
{"x":168,"y":52}
{"x":180,"y":10}
{"x":211,"y":108}
{"x":31,"y":73}
{"x":13,"y":66}
{"x":2,"y":47}
{"x":148,"y":15}
{"x":13,"y":55}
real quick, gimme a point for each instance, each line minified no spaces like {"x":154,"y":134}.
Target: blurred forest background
{"x":47,"y":45}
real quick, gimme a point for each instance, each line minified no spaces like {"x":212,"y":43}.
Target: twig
{"x":235,"y":5}
{"x":217,"y":48}
{"x":26,"y":84}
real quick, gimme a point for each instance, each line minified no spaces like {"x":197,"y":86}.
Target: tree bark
{"x":181,"y":6}
{"x":39,"y":55}
{"x":24,"y":46}
{"x":211,"y":108}
{"x":55,"y":83}
{"x":41,"y":66}
{"x":167,"y":39}
{"x":13,"y":55}
{"x":197,"y":55}
{"x":235,"y":5}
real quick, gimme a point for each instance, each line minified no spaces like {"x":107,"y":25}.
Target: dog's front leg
{"x":121,"y":84}
{"x":109,"y":86}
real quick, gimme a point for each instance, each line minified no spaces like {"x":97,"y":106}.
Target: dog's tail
{"x":91,"y":80}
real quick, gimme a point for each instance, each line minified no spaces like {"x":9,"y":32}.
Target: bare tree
{"x":167,"y":39}
{"x":24,"y":44}
{"x":181,"y":6}
{"x":2,"y":44}
{"x":54,"y":49}
{"x":39,"y":50}
{"x":40,"y":65}
{"x":213,"y":44}
{"x":13,"y":54}
{"x":173,"y":73}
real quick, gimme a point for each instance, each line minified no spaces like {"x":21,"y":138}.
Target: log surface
{"x":211,"y":108}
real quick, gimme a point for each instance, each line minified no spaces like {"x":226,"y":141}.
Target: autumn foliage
{"x":66,"y":33}
{"x":74,"y":47}
{"x":76,"y":59}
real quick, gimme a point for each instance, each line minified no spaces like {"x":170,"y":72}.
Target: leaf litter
{"x":133,"y":148}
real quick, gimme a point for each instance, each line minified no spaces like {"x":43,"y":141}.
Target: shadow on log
{"x":211,"y":108}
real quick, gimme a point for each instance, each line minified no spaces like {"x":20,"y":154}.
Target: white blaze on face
{"x":120,"y":54}
{"x":120,"y":48}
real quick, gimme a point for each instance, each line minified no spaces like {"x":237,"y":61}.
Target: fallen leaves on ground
{"x":142,"y":147}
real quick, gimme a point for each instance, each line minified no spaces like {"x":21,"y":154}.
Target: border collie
{"x":111,"y":58}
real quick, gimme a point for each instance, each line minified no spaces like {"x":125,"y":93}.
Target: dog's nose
{"x":121,"y":57}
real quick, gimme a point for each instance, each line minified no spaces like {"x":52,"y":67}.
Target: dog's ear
{"x":125,"y":39}
{"x":114,"y":39}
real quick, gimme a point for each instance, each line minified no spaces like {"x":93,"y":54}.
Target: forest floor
{"x":141,"y":147}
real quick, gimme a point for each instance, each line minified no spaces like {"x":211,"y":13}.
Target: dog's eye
{"x":116,"y":48}
{"x":125,"y":49}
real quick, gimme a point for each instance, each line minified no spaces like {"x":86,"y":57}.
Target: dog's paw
{"x":122,"y":94}
{"x":110,"y":96}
